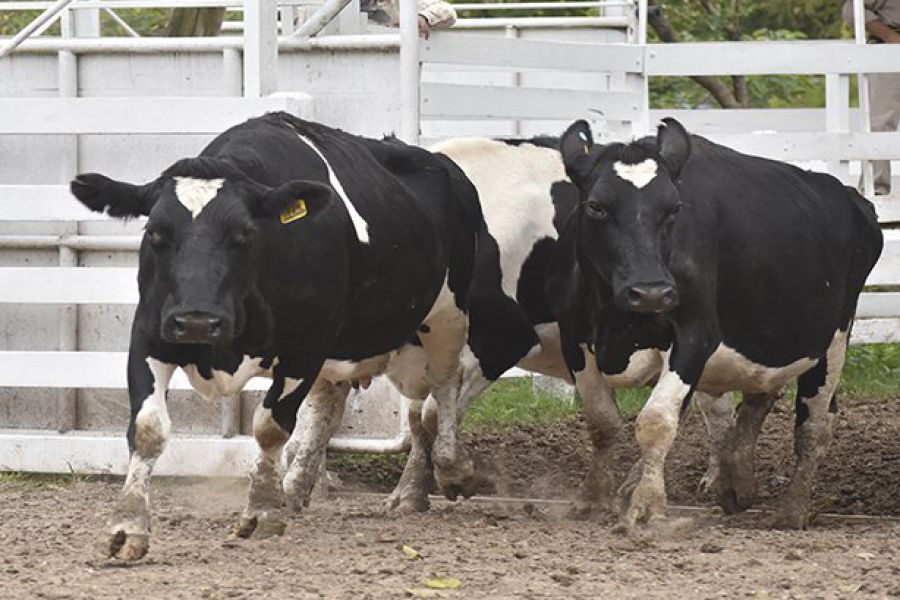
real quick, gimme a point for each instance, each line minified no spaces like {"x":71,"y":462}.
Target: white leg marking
{"x":195,"y":194}
{"x":657,"y":425}
{"x":152,"y":426}
{"x":359,"y":224}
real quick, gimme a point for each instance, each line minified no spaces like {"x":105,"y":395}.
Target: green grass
{"x":871,"y":373}
{"x":10,"y":480}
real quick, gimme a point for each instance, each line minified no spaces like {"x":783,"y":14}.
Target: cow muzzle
{"x":194,"y":328}
{"x":651,"y":298}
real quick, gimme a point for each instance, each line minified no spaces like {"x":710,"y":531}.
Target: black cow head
{"x":202,"y":245}
{"x":629,"y":204}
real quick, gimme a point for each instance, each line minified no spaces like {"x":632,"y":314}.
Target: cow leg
{"x":718,"y":415}
{"x":655,"y":431}
{"x":411,"y":493}
{"x":148,"y":432}
{"x":273,"y":422}
{"x":263,"y":513}
{"x":816,"y":410}
{"x":322,"y":418}
{"x":454,"y":469}
{"x":737,"y":480}
{"x":407,"y":371}
{"x":596,"y":492}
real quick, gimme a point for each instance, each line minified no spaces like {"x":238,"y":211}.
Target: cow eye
{"x":243,"y":237}
{"x":673,"y":214}
{"x":595,"y":211}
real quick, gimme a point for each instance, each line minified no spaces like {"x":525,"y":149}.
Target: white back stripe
{"x":359,"y":224}
{"x":195,"y":194}
{"x":638,"y":175}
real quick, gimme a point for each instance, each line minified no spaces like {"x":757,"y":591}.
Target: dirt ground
{"x":346,"y":547}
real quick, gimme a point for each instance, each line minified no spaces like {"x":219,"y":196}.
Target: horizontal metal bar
{"x":534,"y":22}
{"x":96,"y":243}
{"x":534,"y":5}
{"x":116,"y":4}
{"x":152,"y":45}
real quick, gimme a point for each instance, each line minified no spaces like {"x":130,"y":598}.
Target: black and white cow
{"x":300,"y":251}
{"x":525,"y":198}
{"x":700,"y":268}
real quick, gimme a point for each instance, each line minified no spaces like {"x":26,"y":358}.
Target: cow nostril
{"x":215,"y":327}
{"x":670,"y":296}
{"x":634,"y":295}
{"x":179,"y":326}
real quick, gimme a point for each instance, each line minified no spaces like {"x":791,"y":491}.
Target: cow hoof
{"x":128,"y":546}
{"x":732,"y":502}
{"x":258,"y":527}
{"x":584,"y":510}
{"x":789,"y":520}
{"x":407,"y":502}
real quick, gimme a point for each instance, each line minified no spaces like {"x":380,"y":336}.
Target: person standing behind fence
{"x":433,"y":14}
{"x":883,"y":27}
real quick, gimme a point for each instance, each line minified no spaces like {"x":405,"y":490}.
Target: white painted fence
{"x":454,"y":83}
{"x":69,"y":284}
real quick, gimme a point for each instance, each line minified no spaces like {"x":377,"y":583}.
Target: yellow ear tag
{"x":294,"y":212}
{"x":586,"y":149}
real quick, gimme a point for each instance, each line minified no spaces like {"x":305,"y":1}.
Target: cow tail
{"x":471,"y":227}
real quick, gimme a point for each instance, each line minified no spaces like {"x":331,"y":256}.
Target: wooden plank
{"x":43,"y":203}
{"x":878,"y":305}
{"x":196,"y":456}
{"x":814,"y":145}
{"x":770,"y":58}
{"x":876,"y":331}
{"x":68,"y":285}
{"x":80,"y":369}
{"x":887,"y":269}
{"x":482,"y":50}
{"x":133,"y":116}
{"x":748,"y":120}
{"x":452,"y":101}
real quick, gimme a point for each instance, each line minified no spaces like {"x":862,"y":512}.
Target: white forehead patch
{"x":359,"y":224}
{"x":195,"y":194}
{"x":638,"y":175}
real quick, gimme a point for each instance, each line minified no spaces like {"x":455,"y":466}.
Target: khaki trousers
{"x":884,"y":100}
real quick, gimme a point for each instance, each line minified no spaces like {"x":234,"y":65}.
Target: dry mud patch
{"x":346,"y":547}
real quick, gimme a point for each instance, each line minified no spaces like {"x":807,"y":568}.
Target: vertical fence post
{"x":409,"y":72}
{"x":260,"y":48}
{"x":73,"y":23}
{"x":837,"y":117}
{"x":859,"y":31}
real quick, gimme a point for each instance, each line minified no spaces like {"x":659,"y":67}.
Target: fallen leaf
{"x":421,"y":593}
{"x":865,"y":555}
{"x":410,"y":552}
{"x":442,"y":583}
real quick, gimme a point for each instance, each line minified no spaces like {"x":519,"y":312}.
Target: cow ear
{"x":673,"y":144}
{"x":575,"y":147}
{"x":294,"y":200}
{"x":116,"y":198}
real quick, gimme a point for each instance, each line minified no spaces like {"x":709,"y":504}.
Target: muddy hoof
{"x":258,"y":528}
{"x":732,"y":502}
{"x":406,"y":504}
{"x":128,"y":546}
{"x":789,"y":520}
